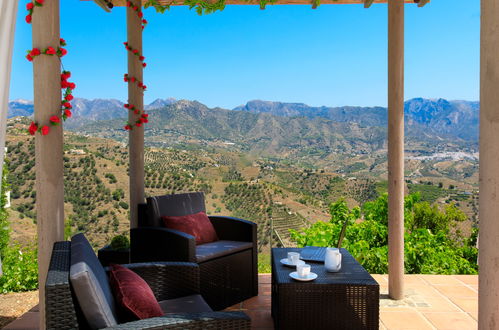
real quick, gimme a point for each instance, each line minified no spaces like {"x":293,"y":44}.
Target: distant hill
{"x":453,"y":118}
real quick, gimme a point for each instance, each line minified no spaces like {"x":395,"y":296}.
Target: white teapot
{"x":332,"y":261}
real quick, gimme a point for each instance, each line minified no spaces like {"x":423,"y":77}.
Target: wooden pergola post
{"x":396,"y":149}
{"x":488,"y":294}
{"x":48,"y":148}
{"x":136,"y":98}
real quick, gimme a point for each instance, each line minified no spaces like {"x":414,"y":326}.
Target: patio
{"x":431,"y":302}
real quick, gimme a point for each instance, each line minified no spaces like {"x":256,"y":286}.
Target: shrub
{"x":20,"y":269}
{"x":120,"y":242}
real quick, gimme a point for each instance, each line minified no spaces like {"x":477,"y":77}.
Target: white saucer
{"x":311,"y":276}
{"x":286,"y":262}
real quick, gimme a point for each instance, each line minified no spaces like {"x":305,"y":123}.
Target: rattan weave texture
{"x":348,"y":299}
{"x":168,"y":280}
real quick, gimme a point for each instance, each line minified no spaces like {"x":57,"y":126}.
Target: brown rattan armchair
{"x":168,"y":280}
{"x":228,"y":267}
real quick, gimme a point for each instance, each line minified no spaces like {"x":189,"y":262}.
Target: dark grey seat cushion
{"x":189,"y":304}
{"x":217,"y":249}
{"x":173,"y":206}
{"x":91,"y":285}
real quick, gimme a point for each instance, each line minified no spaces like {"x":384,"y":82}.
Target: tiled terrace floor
{"x":432,"y":302}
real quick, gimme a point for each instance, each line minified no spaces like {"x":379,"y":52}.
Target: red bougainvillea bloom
{"x":68,"y":113}
{"x":128,"y":127}
{"x":138,"y":124}
{"x":55,"y":120}
{"x":29,"y":58}
{"x":62,"y":41}
{"x":33,"y":128}
{"x":72,"y":85}
{"x":144,"y":86}
{"x":35,"y":52}
{"x":45,"y":130}
{"x":69,"y":97}
{"x":39,"y":1}
{"x":141,"y":14}
{"x":67,"y":105}
{"x":64,"y":84}
{"x":135,"y":51}
{"x":144,"y":64}
{"x":28,"y":19}
{"x":145,"y":115}
{"x":66,"y":75}
{"x":133,"y":79}
{"x":142,"y":58}
{"x":63,"y":51}
{"x":136,"y":111}
{"x":29,"y":6}
{"x":144,"y":21}
{"x":50,"y":51}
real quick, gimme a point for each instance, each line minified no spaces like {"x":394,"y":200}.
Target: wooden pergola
{"x":49,"y":149}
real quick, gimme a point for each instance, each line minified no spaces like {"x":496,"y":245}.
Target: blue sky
{"x":335,"y":55}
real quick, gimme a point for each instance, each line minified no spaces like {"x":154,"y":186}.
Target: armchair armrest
{"x":161,"y":244}
{"x":169,"y":280}
{"x":234,"y":229}
{"x":201,"y":321}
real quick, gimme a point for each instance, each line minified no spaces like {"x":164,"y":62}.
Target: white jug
{"x":332,"y":261}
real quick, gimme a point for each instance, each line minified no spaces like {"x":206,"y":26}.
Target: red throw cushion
{"x":197,"y":225}
{"x":133,"y":293}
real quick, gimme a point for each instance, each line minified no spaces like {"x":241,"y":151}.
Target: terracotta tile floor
{"x":431,"y":302}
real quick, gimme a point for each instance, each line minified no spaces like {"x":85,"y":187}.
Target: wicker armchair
{"x":228,"y":268}
{"x":167,"y":281}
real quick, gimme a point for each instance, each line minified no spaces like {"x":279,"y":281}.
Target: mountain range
{"x":266,"y":127}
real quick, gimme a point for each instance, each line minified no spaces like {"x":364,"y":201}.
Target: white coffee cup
{"x":303,"y":270}
{"x":293,"y":257}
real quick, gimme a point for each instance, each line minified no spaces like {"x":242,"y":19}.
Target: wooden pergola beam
{"x":48,"y":148}
{"x":122,"y":3}
{"x":396,"y":149}
{"x":488,"y":286}
{"x":135,"y":98}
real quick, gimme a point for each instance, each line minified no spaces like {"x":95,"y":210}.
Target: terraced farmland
{"x":282,"y":221}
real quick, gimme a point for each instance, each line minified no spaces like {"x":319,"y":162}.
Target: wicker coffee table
{"x":348,"y":299}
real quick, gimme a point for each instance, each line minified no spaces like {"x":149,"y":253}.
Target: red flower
{"x":35,"y":52}
{"x":62,"y":42}
{"x":55,"y":120}
{"x":128,"y":127}
{"x":65,"y":75}
{"x":125,"y":43}
{"x":140,"y":84}
{"x":64,"y":84}
{"x":145,"y":115}
{"x":29,"y":6}
{"x":126,"y":106}
{"x":138,"y":124}
{"x":135,"y":8}
{"x":68,"y":113}
{"x":67,"y":105}
{"x":128,"y":4}
{"x":141,"y":15}
{"x":144,"y":64}
{"x":125,"y":79}
{"x":69,"y":97}
{"x":63,"y":51}
{"x":33,"y":128}
{"x":45,"y":130}
{"x":72,"y":85}
{"x":144,"y":87}
{"x":136,"y":111}
{"x":135,"y":51}
{"x":39,"y":2}
{"x":133,"y":79}
{"x":29,"y":58}
{"x":50,"y":51}
{"x":142,"y":58}
{"x":28,"y":19}
{"x":144,"y":21}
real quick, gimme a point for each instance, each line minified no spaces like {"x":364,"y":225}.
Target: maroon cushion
{"x":197,"y":225}
{"x":133,"y":293}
